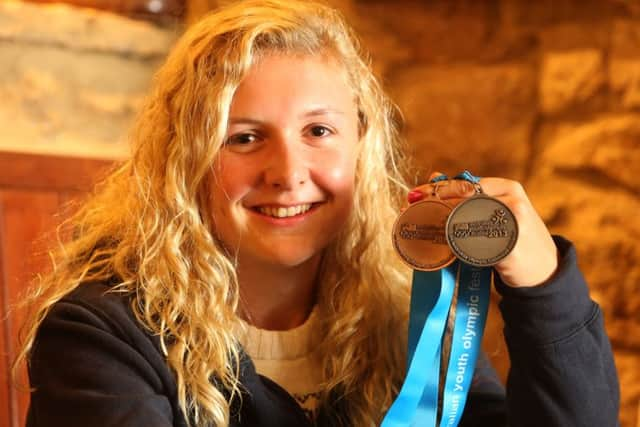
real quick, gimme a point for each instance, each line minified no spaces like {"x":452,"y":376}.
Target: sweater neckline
{"x":289,"y":344}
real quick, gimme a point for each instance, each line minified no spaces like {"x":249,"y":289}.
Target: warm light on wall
{"x":149,"y":9}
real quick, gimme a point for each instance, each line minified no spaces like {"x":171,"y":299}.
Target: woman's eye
{"x":241,"y":139}
{"x":320,"y":131}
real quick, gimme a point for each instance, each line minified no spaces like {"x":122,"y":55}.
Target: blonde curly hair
{"x":149,"y":223}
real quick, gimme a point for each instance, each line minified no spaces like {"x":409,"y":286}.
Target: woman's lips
{"x":285,"y":215}
{"x":284,"y":211}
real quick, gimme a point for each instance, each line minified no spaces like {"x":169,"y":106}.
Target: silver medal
{"x":481,"y":231}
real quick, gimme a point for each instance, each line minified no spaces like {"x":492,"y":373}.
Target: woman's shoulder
{"x":101,"y":298}
{"x":95,"y":322}
{"x":93,"y":363}
{"x":99,"y":308}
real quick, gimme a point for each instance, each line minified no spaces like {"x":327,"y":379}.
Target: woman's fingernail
{"x":414,"y":196}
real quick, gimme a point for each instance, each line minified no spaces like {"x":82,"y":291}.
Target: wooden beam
{"x":40,"y":172}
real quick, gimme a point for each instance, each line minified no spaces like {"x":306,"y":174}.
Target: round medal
{"x":419,"y":235}
{"x":481,"y":231}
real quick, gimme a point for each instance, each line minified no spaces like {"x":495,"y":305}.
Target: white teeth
{"x":283,"y":212}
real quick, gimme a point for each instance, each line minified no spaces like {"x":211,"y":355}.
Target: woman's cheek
{"x":232,"y":177}
{"x":338,"y":171}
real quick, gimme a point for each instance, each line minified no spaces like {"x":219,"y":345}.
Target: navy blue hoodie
{"x":94,"y":365}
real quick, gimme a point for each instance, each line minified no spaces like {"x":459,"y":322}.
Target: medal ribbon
{"x":471,"y":315}
{"x":435,"y":290}
{"x":431,"y":296}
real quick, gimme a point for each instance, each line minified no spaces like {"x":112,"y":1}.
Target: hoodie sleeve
{"x":562,"y":371}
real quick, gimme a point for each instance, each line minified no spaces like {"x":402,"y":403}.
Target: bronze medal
{"x":481,"y":231}
{"x":419,"y":235}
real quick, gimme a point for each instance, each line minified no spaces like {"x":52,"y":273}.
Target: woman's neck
{"x":276,"y":297}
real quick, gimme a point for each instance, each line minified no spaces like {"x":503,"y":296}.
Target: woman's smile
{"x":284,"y":211}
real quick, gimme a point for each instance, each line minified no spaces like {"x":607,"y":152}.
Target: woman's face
{"x":282,"y":185}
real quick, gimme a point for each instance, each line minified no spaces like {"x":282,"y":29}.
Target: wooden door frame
{"x":37,"y":174}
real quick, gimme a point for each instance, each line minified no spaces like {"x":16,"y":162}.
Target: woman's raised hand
{"x":534,"y":258}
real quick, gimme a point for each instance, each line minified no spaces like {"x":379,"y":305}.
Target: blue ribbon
{"x":427,"y":348}
{"x":431,"y":296}
{"x":471,"y":315}
{"x":464,"y":175}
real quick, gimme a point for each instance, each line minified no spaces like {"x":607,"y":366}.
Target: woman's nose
{"x":287,"y":167}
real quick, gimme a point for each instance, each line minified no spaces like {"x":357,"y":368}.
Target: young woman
{"x":238,"y":269}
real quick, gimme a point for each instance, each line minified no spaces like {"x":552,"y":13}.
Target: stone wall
{"x":71,"y":79}
{"x":545,"y":92}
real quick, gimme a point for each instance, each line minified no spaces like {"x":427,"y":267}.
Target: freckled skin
{"x":292,"y":139}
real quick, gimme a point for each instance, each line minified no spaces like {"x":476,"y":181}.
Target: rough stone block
{"x":625,"y":39}
{"x":429,"y":29}
{"x":573,"y":35}
{"x":472,"y":117}
{"x":627,"y":363}
{"x":607,"y":147}
{"x":624,"y":79}
{"x":385,"y":48}
{"x":570,"y":78}
{"x":624,"y":63}
{"x":72,"y":79}
{"x":58,"y":100}
{"x":81,"y":29}
{"x":541,"y":13}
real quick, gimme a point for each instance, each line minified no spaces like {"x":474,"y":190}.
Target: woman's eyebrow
{"x":245,"y":120}
{"x":321,"y":112}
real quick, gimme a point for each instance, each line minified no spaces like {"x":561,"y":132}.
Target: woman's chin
{"x":292,"y":260}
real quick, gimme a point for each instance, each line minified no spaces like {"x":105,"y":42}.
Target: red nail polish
{"x":414,"y":196}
